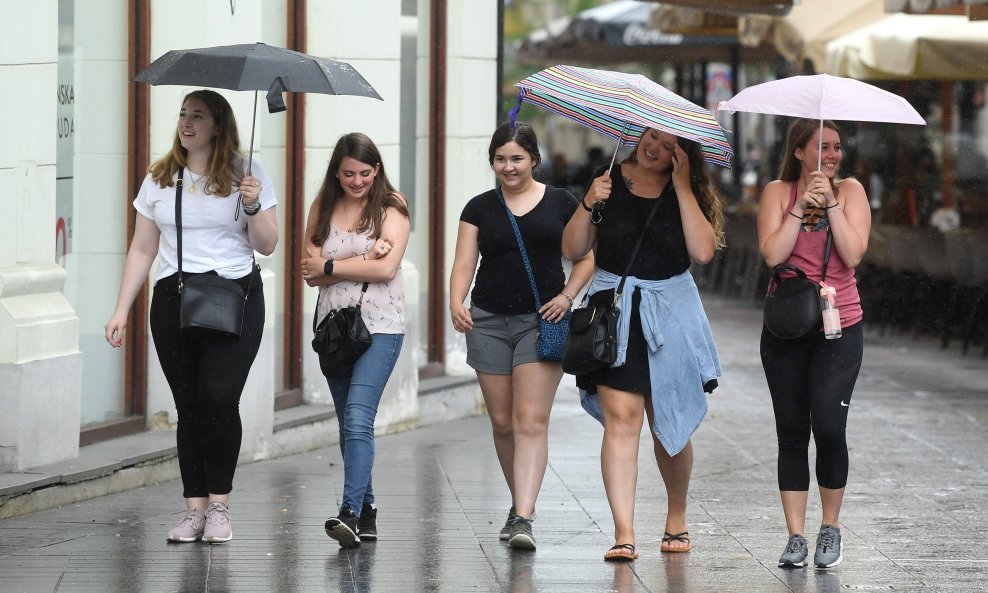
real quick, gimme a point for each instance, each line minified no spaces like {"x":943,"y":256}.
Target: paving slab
{"x":913,"y":518}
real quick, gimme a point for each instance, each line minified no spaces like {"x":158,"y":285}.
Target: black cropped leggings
{"x":207,"y":377}
{"x":811,"y":380}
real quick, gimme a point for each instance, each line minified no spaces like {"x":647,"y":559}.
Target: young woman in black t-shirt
{"x":501,"y":324}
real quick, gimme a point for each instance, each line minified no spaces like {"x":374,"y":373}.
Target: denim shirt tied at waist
{"x":682,"y":356}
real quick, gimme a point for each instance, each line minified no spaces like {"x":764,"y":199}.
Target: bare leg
{"x":534,"y":388}
{"x":831,"y":499}
{"x":498,"y":399}
{"x":794,"y":507}
{"x":224,"y":498}
{"x":624,"y":413}
{"x":676,"y":471}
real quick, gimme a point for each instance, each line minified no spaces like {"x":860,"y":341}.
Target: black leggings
{"x":811,"y":380}
{"x":207,"y":377}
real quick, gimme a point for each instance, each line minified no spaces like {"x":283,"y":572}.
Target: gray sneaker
{"x":189,"y":529}
{"x":520,"y":536}
{"x":795,"y":553}
{"x":506,"y":530}
{"x":829,"y":547}
{"x":218,"y":529}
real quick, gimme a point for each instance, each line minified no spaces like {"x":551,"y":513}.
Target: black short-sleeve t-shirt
{"x":501,"y":285}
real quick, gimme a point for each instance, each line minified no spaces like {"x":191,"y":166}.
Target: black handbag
{"x":592,"y":341}
{"x":792,"y":310}
{"x":551,"y":338}
{"x":340,"y":339}
{"x":210,"y":304}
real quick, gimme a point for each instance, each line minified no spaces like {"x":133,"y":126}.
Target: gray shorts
{"x":499,"y":342}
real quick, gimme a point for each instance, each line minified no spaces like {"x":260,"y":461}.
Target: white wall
{"x":40,"y":364}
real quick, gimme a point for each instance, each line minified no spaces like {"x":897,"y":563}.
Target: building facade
{"x":435,"y":63}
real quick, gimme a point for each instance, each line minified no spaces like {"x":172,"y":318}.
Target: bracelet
{"x":253,"y":209}
{"x":834,"y":208}
{"x":569,"y":298}
{"x":327,"y":268}
{"x":583,"y":202}
{"x":363,"y":255}
{"x":796,"y":216}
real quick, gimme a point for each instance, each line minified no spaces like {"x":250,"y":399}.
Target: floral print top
{"x":383,"y":305}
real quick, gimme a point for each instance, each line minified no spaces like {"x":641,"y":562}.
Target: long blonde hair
{"x":225,"y":162}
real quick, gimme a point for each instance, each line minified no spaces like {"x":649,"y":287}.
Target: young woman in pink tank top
{"x":811,"y":378}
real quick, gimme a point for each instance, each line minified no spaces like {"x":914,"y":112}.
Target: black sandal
{"x":668,"y":538}
{"x":621,"y":552}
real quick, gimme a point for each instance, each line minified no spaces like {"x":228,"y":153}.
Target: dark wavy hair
{"x":226,"y":163}
{"x":521,"y":133}
{"x":711,"y":202}
{"x":381,"y":196}
{"x":798,"y":136}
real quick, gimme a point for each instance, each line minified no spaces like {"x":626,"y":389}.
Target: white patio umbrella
{"x":821,"y":97}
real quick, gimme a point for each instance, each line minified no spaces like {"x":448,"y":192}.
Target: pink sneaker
{"x":190,"y":528}
{"x":218,"y":528}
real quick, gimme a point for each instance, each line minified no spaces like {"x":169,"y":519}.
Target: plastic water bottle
{"x":831,"y":315}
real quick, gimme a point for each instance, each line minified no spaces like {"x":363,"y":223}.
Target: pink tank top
{"x":807,"y":255}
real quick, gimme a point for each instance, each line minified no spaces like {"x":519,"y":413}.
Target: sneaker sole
{"x":182,"y":540}
{"x":218,"y":540}
{"x":792,"y":564}
{"x":522,"y":542}
{"x":338,"y":530}
{"x":367,"y":537}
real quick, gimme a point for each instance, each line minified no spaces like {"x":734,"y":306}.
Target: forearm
{"x":459,"y":284}
{"x":136,"y":268}
{"x":579,"y":235}
{"x":262,"y":231}
{"x":582,"y":271}
{"x":701,"y":241}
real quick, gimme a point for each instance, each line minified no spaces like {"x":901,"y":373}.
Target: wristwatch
{"x":253,"y":209}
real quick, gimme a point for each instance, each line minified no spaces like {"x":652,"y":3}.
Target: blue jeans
{"x":356,"y":399}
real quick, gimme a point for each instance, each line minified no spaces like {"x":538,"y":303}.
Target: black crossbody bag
{"x":592,"y":341}
{"x":210,"y":304}
{"x":792,"y":310}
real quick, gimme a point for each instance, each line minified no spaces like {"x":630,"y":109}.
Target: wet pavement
{"x":913,"y":519}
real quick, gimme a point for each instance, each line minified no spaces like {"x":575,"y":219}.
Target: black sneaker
{"x":343,"y":528}
{"x":367,"y":525}
{"x":506,"y":530}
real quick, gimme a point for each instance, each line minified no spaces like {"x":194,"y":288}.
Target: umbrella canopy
{"x":622,"y":106}
{"x":256,"y":67}
{"x":913,"y":46}
{"x":824,"y":97}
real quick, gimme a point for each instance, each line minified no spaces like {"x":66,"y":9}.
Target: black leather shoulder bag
{"x":792,"y":310}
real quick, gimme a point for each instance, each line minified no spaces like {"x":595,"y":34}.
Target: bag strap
{"x":826,"y":253}
{"x":178,"y":223}
{"x":315,"y":314}
{"x":178,"y":229}
{"x":521,"y":247}
{"x":641,"y":236}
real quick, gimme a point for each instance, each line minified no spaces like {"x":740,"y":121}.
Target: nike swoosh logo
{"x":845,"y":405}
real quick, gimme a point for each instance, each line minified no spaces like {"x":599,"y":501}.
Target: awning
{"x":803,"y":34}
{"x":913,"y":46}
{"x":622,"y":31}
{"x":773,"y":7}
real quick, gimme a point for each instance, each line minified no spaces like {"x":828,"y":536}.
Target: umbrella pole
{"x":253,"y":123}
{"x":819,"y":149}
{"x":614,"y":156}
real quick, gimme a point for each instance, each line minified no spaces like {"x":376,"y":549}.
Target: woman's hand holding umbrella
{"x":250,"y":189}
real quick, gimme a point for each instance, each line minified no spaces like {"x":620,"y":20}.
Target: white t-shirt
{"x":211,"y":238}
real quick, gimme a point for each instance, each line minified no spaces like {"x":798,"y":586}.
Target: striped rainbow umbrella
{"x":622,"y":106}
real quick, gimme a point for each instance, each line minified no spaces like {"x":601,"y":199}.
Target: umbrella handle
{"x":613,"y":157}
{"x":819,"y":149}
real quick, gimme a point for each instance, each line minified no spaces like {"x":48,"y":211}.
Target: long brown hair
{"x":798,"y":136}
{"x":707,"y":197}
{"x":225,"y":162}
{"x":381,"y":196}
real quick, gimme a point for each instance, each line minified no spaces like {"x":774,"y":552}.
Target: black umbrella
{"x":257,"y":67}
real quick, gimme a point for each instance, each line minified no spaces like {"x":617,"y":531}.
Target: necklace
{"x":192,"y":188}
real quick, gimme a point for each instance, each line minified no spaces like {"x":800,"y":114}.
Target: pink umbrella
{"x":824,"y":97}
